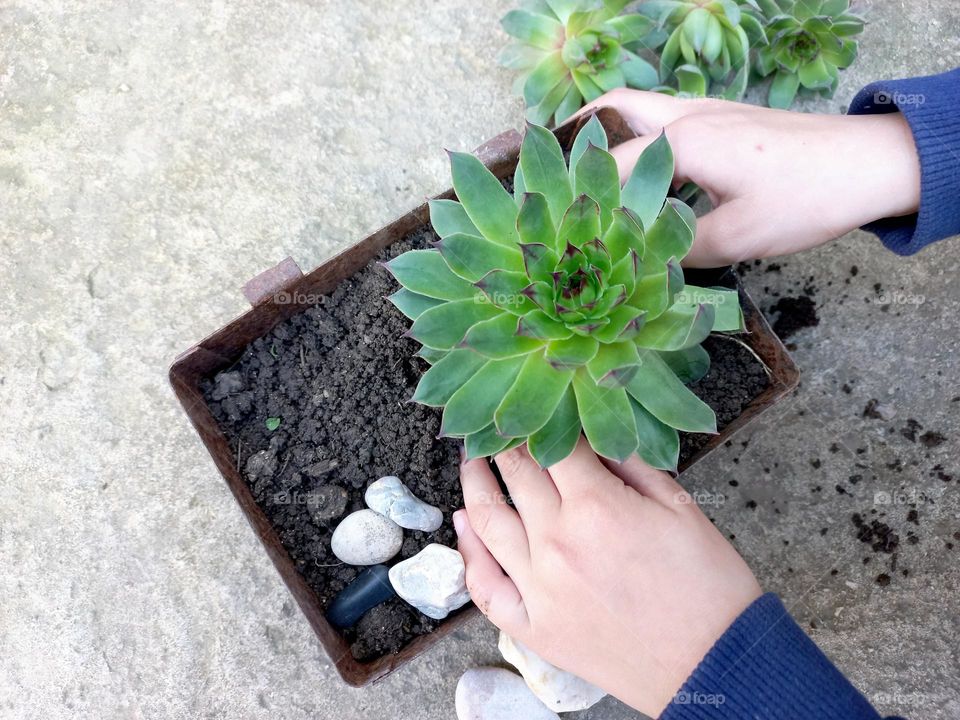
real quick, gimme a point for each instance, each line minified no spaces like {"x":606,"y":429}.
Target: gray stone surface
{"x":155,"y":155}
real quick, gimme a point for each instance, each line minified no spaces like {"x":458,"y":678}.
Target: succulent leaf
{"x":471,"y":408}
{"x":678,"y":327}
{"x":557,"y":439}
{"x":489,"y":206}
{"x":412,"y":304}
{"x":667,"y":399}
{"x":646,"y":190}
{"x":426,"y":273}
{"x":607,"y":418}
{"x":689,"y":364}
{"x":597,"y":177}
{"x":544,"y":170}
{"x":533,"y":398}
{"x":534,"y":224}
{"x":443,"y":327}
{"x":472,"y":257}
{"x":446,"y":376}
{"x":658,"y":444}
{"x":497,"y":338}
{"x":485,"y":442}
{"x":449,"y":217}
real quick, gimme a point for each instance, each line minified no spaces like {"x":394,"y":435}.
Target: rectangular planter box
{"x":284,"y":290}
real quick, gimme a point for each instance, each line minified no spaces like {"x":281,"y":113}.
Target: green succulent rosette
{"x":808,"y":43}
{"x":562,"y":308}
{"x":570,"y":52}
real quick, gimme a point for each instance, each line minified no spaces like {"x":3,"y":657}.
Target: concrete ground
{"x":155,"y":155}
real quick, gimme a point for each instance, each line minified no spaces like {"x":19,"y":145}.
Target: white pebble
{"x":366,"y":537}
{"x":390,"y":497}
{"x":432,"y":581}
{"x":558,"y":689}
{"x":496,"y":694}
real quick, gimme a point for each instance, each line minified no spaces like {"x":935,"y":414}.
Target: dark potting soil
{"x":337,"y":377}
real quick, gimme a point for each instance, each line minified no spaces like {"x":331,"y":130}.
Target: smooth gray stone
{"x":366,"y":537}
{"x":490,"y":693}
{"x":370,"y":588}
{"x":390,"y":497}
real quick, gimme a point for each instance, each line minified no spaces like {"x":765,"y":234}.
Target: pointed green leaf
{"x":446,"y":376}
{"x":573,"y":352}
{"x":691,"y":81}
{"x":542,"y":112}
{"x":655,"y":293}
{"x":623,"y":318}
{"x":637,"y":72}
{"x":557,"y":439}
{"x":670,"y":236}
{"x":646,"y":189}
{"x":485,"y":442}
{"x":472,"y":257}
{"x":548,"y":73}
{"x":626,"y":272}
{"x":489,"y":206}
{"x":425,"y":272}
{"x":587,"y":87}
{"x":449,"y":217}
{"x":443,"y":327}
{"x":506,"y":290}
{"x":597,"y":177}
{"x":537,"y":30}
{"x":607,"y":418}
{"x":544,"y":170}
{"x":540,"y":326}
{"x":497,"y":338}
{"x":533,"y":398}
{"x":814,"y":74}
{"x":592,"y":132}
{"x":534,"y":224}
{"x":679,"y":327}
{"x":624,"y":235}
{"x":614,"y":364}
{"x":519,"y":187}
{"x":471,"y":408}
{"x":581,"y":223}
{"x":431,"y":355}
{"x":667,"y":399}
{"x":783,"y":90}
{"x":659,"y":444}
{"x":631,"y":28}
{"x":412,"y":304}
{"x":571,"y":102}
{"x":689,"y":364}
{"x":539,"y":261}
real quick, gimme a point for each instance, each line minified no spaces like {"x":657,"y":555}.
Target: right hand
{"x":779,"y":181}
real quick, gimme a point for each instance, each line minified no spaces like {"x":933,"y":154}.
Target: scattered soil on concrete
{"x":338,"y":377}
{"x":793,"y":314}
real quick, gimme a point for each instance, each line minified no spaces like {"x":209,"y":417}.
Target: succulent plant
{"x":571,"y":51}
{"x":562,"y":307}
{"x":707,"y":45}
{"x":808,"y":42}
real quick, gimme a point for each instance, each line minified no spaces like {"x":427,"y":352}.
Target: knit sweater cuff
{"x":929,"y":105}
{"x":765,"y":666}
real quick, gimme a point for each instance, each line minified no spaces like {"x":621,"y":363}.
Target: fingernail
{"x":458,"y":522}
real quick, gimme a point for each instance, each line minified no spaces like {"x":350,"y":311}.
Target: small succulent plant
{"x":808,"y":41}
{"x":571,"y":51}
{"x":562,"y":307}
{"x":707,"y":46}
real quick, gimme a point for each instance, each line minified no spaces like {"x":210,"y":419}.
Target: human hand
{"x":779,"y":181}
{"x":608,"y":571}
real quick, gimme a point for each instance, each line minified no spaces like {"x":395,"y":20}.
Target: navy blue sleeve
{"x":764,"y":666}
{"x":930,"y":106}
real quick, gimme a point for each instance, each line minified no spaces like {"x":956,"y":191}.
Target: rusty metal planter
{"x":269,"y":294}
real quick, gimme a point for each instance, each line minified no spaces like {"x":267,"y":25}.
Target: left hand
{"x":608,"y":571}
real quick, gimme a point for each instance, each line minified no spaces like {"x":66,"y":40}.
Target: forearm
{"x":928,"y":106}
{"x":765,"y":666}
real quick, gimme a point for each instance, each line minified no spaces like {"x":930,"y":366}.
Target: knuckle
{"x":511,"y":462}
